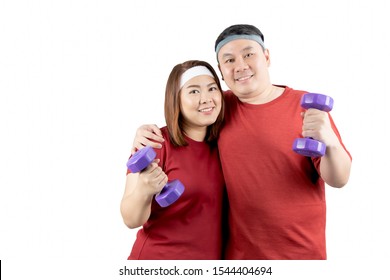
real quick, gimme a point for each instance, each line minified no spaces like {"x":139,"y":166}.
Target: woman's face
{"x":200,"y":102}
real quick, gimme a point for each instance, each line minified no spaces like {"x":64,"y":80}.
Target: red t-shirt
{"x":276,"y":196}
{"x":190,"y":228}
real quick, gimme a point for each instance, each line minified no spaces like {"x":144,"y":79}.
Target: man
{"x":276,"y":197}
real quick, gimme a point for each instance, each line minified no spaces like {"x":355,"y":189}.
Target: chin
{"x":208,"y":123}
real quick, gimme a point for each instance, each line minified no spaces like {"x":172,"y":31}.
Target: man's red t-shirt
{"x":276,"y":196}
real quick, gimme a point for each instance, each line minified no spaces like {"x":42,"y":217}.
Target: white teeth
{"x":206,"y":110}
{"x":244,"y":78}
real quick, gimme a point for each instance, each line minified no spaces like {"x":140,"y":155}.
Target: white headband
{"x":194,"y":72}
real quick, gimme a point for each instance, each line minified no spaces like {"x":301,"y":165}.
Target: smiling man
{"x":276,"y":197}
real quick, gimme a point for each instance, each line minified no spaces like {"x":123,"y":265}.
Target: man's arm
{"x":335,"y":166}
{"x":147,"y":135}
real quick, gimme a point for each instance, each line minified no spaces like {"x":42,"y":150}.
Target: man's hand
{"x":147,"y":135}
{"x":316,"y":124}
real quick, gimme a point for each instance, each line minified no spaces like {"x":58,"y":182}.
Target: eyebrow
{"x":243,"y":50}
{"x":198,"y":86}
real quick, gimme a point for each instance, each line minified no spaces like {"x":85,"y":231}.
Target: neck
{"x":264,"y":96}
{"x":196,"y":133}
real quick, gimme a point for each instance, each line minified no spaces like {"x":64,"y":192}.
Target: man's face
{"x":244,"y":66}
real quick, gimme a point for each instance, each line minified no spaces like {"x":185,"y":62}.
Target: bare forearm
{"x":139,"y":191}
{"x":335,"y":166}
{"x":135,"y":209}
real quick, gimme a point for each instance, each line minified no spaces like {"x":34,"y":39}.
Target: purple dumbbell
{"x":171,"y":191}
{"x":307,"y":146}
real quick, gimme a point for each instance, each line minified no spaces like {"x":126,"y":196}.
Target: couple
{"x":233,"y":152}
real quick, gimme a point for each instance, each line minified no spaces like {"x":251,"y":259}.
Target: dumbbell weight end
{"x":141,"y":159}
{"x":170,"y":193}
{"x":309,"y":147}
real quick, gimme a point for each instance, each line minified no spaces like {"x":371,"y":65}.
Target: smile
{"x":241,"y":79}
{"x":206,"y":109}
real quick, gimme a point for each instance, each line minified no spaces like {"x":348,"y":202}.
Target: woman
{"x":190,"y":228}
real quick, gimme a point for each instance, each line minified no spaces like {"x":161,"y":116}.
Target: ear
{"x":219,"y":67}
{"x":267,"y":57}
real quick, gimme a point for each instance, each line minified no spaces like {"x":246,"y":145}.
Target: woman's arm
{"x":139,"y":191}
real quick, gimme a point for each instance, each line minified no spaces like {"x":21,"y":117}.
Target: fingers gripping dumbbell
{"x":171,"y":191}
{"x":307,"y":146}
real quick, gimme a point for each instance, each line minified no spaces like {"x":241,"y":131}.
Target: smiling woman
{"x":193,"y":74}
{"x":200,"y":105}
{"x":194,"y":109}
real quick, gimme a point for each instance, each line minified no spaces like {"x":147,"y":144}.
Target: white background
{"x":78,"y":77}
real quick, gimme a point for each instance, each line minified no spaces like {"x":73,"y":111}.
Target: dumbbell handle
{"x":308,"y":146}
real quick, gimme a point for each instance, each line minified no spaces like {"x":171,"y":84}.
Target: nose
{"x":240,"y":65}
{"x":205,"y":97}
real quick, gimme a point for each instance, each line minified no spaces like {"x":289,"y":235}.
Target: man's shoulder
{"x":289,"y":91}
{"x":229,"y":95}
{"x":228,"y":92}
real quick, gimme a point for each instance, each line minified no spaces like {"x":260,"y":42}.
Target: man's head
{"x":243,"y":31}
{"x":243,"y":61}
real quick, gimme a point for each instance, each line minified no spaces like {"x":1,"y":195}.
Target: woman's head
{"x":193,"y":101}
